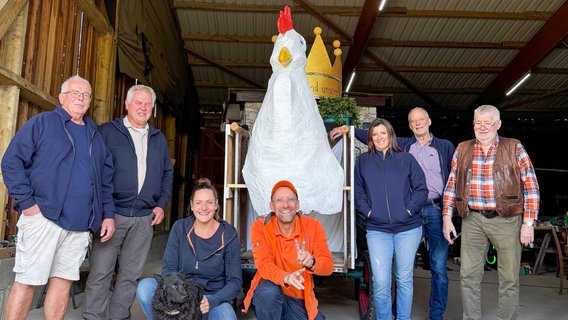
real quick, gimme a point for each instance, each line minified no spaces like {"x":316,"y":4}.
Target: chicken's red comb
{"x":285,"y":21}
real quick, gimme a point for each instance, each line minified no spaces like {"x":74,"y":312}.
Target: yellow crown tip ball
{"x":336,"y":44}
{"x":337,"y":52}
{"x":317,"y":31}
{"x":274,"y":38}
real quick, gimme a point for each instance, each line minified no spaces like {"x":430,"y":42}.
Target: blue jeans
{"x":383,"y":247}
{"x":145,"y":294}
{"x":270,"y":303}
{"x":438,"y":249}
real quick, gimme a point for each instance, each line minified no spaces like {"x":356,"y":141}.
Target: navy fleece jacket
{"x":157,"y":188}
{"x":37,"y":164}
{"x":219,"y":272}
{"x":390,"y":189}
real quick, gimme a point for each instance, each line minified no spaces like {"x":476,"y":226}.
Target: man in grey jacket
{"x":142,"y":183}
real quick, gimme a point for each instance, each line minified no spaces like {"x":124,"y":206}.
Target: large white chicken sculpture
{"x":288,"y":140}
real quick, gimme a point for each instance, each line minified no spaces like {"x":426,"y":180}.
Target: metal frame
{"x":233,"y":136}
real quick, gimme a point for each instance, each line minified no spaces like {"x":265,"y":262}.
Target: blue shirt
{"x":79,"y":199}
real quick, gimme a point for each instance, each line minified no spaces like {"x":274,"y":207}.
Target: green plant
{"x":339,"y":108}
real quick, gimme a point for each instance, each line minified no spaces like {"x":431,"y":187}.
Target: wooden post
{"x":105,"y":66}
{"x":182,"y":165}
{"x":170,"y":133}
{"x":10,"y":96}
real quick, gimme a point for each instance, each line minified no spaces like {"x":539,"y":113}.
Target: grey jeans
{"x":125,"y":253}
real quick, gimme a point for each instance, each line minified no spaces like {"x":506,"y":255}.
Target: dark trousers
{"x":270,"y":303}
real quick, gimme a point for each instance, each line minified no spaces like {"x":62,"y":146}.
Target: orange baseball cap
{"x":283,"y":183}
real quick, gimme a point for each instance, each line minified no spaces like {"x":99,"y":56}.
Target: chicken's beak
{"x":284,"y":57}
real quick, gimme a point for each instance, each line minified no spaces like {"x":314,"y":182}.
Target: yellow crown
{"x":324,"y":79}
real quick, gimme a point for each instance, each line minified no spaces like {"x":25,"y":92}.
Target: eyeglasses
{"x":283,"y":200}
{"x":487,"y":125}
{"x":76,"y":94}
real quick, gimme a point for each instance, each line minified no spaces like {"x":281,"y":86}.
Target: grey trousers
{"x":504,"y":234}
{"x":125,"y":252}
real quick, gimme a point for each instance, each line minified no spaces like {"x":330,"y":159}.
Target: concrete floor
{"x":539,"y":297}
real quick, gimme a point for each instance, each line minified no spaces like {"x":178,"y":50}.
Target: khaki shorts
{"x":45,"y":250}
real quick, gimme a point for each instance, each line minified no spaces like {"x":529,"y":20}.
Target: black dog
{"x":177,"y":298}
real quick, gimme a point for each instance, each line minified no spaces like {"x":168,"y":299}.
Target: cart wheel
{"x":365,"y":290}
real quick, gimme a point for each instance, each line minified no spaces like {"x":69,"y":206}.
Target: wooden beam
{"x":257,"y":8}
{"x":356,"y":11}
{"x":539,"y":46}
{"x":363,"y":31}
{"x":267,"y":39}
{"x":98,"y":19}
{"x":371,"y":67}
{"x":450,"y":91}
{"x":224,"y":68}
{"x":373,"y":42}
{"x":383,"y":42}
{"x":476,"y":15}
{"x":9,"y":11}
{"x":209,"y":84}
{"x":232,"y":64}
{"x":28,"y":90}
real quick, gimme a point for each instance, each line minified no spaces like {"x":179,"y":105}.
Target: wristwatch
{"x":528,"y":223}
{"x":313,"y":263}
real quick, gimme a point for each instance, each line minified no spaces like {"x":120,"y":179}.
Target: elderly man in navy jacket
{"x":59,"y":172}
{"x":142,"y":188}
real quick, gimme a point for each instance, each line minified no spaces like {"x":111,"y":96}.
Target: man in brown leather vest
{"x":493,"y":187}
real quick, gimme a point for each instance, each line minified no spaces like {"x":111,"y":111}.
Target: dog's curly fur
{"x":177,"y":298}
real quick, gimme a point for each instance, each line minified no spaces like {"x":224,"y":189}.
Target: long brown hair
{"x":393,"y":146}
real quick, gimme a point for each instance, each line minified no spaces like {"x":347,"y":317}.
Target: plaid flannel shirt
{"x":482,"y":195}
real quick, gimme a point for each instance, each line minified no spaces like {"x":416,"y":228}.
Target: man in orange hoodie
{"x":288,"y":248}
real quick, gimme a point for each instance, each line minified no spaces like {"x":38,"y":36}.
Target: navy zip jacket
{"x":444,"y":147}
{"x":157,"y":188}
{"x":219,"y":272}
{"x":392,"y":187}
{"x":37,"y":164}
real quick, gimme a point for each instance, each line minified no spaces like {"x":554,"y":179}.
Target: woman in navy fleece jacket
{"x":207,"y":250}
{"x":390,"y":189}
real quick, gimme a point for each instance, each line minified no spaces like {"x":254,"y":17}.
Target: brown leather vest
{"x":506,"y":178}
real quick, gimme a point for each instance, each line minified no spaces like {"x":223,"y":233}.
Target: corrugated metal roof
{"x":450,"y":51}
